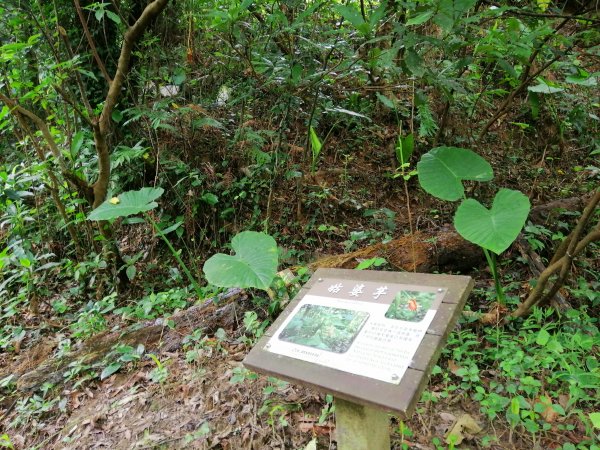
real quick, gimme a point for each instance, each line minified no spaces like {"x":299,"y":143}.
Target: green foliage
{"x":496,"y":228}
{"x":253,"y":265}
{"x":5,"y":442}
{"x":160,"y":373}
{"x":405,"y":146}
{"x":228,"y":145}
{"x":155,"y":305}
{"x":91,"y":318}
{"x":254,"y":326}
{"x":120,"y":355}
{"x":503,"y":375}
{"x":316,"y":146}
{"x":202,"y":431}
{"x":365,"y":25}
{"x":371,"y":262}
{"x":127,"y":204}
{"x":241,"y":374}
{"x":442,"y":170}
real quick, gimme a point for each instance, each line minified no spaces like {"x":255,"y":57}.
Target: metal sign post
{"x":370,"y":338}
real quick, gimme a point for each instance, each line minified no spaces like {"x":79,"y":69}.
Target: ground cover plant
{"x":172,"y":172}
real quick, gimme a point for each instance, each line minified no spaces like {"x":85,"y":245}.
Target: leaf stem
{"x":491,"y":259}
{"x":175,"y":255}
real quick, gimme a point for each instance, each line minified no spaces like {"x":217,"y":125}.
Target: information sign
{"x":369,"y":337}
{"x":364,"y":328}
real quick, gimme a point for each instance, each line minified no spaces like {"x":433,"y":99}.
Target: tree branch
{"x":81,"y":186}
{"x":88,"y":36}
{"x":102,"y":127}
{"x":552,"y":16}
{"x":80,"y":83}
{"x":54,"y":185}
{"x":40,"y":124}
{"x":567,"y":253}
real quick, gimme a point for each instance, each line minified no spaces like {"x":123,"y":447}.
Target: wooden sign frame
{"x":398,"y":398}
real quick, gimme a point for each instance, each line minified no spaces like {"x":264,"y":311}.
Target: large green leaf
{"x":253,"y":265}
{"x":493,"y":229}
{"x":126,"y":204}
{"x":450,"y":11}
{"x":353,"y":15}
{"x":442,"y":170}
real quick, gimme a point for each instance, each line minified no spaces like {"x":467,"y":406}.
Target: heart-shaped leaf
{"x":126,"y":204}
{"x":493,"y":229}
{"x":442,"y":170}
{"x":253,"y":265}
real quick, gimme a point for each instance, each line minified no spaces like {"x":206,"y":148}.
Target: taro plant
{"x":254,"y":264}
{"x":142,"y":201}
{"x":441,"y":172}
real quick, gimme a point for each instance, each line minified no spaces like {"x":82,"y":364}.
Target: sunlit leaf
{"x":129,"y":203}
{"x":543,"y":88}
{"x":420,"y":18}
{"x":315,"y":142}
{"x":542,"y":338}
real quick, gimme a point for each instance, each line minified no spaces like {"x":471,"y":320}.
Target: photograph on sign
{"x":411,"y":306}
{"x":368,"y":330}
{"x":326,"y":328}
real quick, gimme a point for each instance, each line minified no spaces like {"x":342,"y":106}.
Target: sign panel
{"x":363,"y":328}
{"x":368,"y":337}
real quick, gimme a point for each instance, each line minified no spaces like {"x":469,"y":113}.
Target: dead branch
{"x":572,"y":246}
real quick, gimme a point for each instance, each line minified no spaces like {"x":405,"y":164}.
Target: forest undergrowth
{"x":140,"y":139}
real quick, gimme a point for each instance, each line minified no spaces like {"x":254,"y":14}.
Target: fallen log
{"x":550,"y":212}
{"x":156,"y":336}
{"x":443,"y":251}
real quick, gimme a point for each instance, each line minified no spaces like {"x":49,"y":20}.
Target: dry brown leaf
{"x":324,"y":430}
{"x":549,"y":414}
{"x":447,"y":417}
{"x":464,"y":427}
{"x":453,"y":367}
{"x":305,"y":423}
{"x":563,"y":400}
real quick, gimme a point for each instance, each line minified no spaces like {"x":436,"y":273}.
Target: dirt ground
{"x":198,"y":406}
